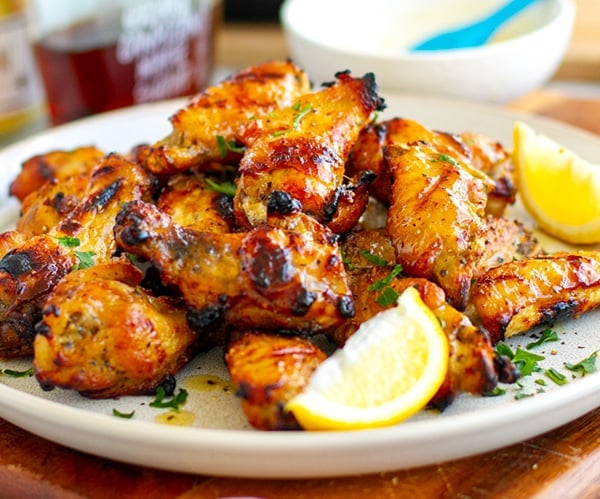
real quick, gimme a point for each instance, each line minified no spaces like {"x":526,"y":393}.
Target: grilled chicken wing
{"x":267,"y":371}
{"x":301,"y":150}
{"x":104,"y":336}
{"x":191,"y":202}
{"x":28,"y":272}
{"x":436,"y":218}
{"x":268,"y":278}
{"x":53,"y":167}
{"x":204,"y":130}
{"x":518,"y":295}
{"x":483,"y":154}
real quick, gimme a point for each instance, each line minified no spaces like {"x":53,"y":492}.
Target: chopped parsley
{"x":387,"y":297}
{"x":124,"y":415}
{"x":173,"y":403}
{"x":445,"y":158}
{"x":226,"y":188}
{"x":586,"y":366}
{"x":556,"y":376}
{"x":68,"y":241}
{"x":547,"y":336}
{"x":380,"y":284}
{"x":86,"y":260}
{"x":228,"y":145}
{"x":527,"y":362}
{"x":372,"y":258}
{"x":18,"y":374}
{"x":301,"y":114}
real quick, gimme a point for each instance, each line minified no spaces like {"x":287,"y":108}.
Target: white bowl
{"x":326,"y":36}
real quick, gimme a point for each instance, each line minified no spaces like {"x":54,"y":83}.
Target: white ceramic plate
{"x":220,"y":441}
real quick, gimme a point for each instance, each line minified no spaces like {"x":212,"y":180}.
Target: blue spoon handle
{"x":474,"y":34}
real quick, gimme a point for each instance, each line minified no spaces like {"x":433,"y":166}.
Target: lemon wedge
{"x":560,"y":190}
{"x":387,"y":371}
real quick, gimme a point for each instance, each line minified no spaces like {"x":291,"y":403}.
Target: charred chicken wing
{"x":268,"y":278}
{"x":206,"y":130}
{"x":104,"y":336}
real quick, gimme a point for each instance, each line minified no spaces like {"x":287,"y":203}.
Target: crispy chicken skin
{"x":192,"y":203}
{"x":483,"y":154}
{"x":268,"y":278}
{"x":436,"y":218}
{"x":47,"y":206}
{"x":104,"y":336}
{"x":301,"y":150}
{"x":29,"y":271}
{"x":514,"y":297}
{"x":210,"y":122}
{"x":267,"y":370}
{"x":53,"y":167}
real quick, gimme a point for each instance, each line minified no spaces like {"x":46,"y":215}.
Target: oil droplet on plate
{"x":208,"y":383}
{"x":176,"y":418}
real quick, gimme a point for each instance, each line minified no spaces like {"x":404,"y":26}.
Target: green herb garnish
{"x":374,"y":259}
{"x":385,"y":281}
{"x":18,"y":374}
{"x":226,"y":188}
{"x":86,"y":260}
{"x":496,"y":392}
{"x":68,"y":241}
{"x":174,"y":403}
{"x":446,"y":158}
{"x":228,"y":145}
{"x":387,"y":297}
{"x":557,"y":377}
{"x":527,"y":362}
{"x":586,"y":366}
{"x":301,"y":114}
{"x":124,"y":415}
{"x":547,"y":336}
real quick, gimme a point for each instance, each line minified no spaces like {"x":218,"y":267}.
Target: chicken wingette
{"x":518,"y":295}
{"x":478,"y":151}
{"x":206,"y":129}
{"x":301,"y":149}
{"x":28,"y":272}
{"x":267,"y":370}
{"x":436,"y":218}
{"x":103,"y":335}
{"x":54,"y":167}
{"x":268,"y":278}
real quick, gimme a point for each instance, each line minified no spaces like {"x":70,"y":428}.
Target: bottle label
{"x":19,"y":84}
{"x":157,"y":36}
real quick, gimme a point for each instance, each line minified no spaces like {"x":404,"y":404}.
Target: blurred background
{"x":230,"y":34}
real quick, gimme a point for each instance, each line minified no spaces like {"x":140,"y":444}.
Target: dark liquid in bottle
{"x":82,"y":73}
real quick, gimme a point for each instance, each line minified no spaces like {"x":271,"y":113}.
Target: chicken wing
{"x":267,"y":371}
{"x":269,"y":278}
{"x":436,"y":218}
{"x":53,"y":167}
{"x":29,"y":271}
{"x":514,"y":297}
{"x":102,"y":335}
{"x":191,"y":202}
{"x":485,"y":155}
{"x":206,"y":130}
{"x":301,"y":150}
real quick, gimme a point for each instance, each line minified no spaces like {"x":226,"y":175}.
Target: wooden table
{"x":562,"y":463}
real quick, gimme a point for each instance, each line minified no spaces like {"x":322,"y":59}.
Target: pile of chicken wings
{"x":272,"y":214}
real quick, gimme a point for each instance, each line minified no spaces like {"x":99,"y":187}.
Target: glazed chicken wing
{"x":205,"y":130}
{"x":190,"y":202}
{"x":104,"y":336}
{"x":301,"y":150}
{"x":518,"y":295}
{"x":29,"y":271}
{"x":483,"y":154}
{"x":269,"y":278}
{"x":436,"y":218}
{"x":53,"y":167}
{"x":267,"y":371}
